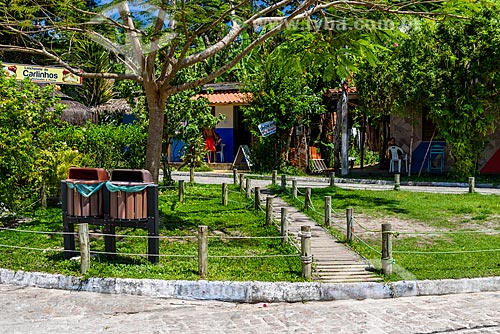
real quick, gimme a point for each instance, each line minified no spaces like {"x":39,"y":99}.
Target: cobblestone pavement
{"x":34,"y":310}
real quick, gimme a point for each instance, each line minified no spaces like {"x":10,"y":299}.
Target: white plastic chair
{"x":221,"y":152}
{"x":395,"y":152}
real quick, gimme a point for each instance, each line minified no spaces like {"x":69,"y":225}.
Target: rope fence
{"x":386,"y":251}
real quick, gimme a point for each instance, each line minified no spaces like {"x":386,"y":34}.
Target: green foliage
{"x":92,"y":57}
{"x":449,"y":69}
{"x":280,"y":94}
{"x":108,"y":146}
{"x":28,"y":144}
{"x":186,"y":118}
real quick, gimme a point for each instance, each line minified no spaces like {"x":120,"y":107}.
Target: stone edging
{"x":250,"y":292}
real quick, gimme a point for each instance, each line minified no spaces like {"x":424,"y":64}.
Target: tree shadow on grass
{"x":357,"y":199}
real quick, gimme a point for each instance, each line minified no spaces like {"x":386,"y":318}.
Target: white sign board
{"x":267,"y":128}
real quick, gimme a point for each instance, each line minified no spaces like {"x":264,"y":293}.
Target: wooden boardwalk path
{"x":333,"y":262}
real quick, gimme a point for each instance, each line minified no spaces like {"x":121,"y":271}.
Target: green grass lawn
{"x":232,"y":256}
{"x":438,"y":235}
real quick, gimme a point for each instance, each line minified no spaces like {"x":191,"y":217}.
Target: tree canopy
{"x":156,"y":40}
{"x":449,"y":70}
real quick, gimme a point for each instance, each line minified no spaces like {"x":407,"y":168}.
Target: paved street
{"x":218,"y":178}
{"x":33,"y":310}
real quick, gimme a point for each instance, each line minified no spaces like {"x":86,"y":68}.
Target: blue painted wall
{"x":227,"y":136}
{"x":419,"y":154}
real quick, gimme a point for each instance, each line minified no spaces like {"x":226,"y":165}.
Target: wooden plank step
{"x":342,"y":270}
{"x":351,"y":281}
{"x":342,"y":265}
{"x":330,"y":277}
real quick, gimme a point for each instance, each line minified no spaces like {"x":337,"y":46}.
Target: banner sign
{"x":267,"y":128}
{"x":42,"y":74}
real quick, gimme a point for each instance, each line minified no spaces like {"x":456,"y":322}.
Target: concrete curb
{"x":250,"y":292}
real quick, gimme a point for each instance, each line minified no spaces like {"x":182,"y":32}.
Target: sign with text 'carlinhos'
{"x":42,"y":74}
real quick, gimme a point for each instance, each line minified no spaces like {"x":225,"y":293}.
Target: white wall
{"x":227,"y":123}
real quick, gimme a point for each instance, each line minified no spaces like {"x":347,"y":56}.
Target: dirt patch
{"x":370,"y":227}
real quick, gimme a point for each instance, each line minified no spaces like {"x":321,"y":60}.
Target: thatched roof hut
{"x":112,"y":106}
{"x":76,"y":113}
{"x":114,"y":109}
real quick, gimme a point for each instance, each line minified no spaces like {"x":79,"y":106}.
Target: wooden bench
{"x":318,"y":166}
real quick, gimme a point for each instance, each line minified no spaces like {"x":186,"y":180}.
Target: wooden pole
{"x":386,"y":249}
{"x":397,"y":184}
{"x":269,"y":210}
{"x":224,"y":194}
{"x":181,"y":191}
{"x":235,"y":179}
{"x":257,"y":197}
{"x":191,"y":175}
{"x":275,"y":176}
{"x":294,"y":188}
{"x":332,"y":179}
{"x":283,"y":182}
{"x":348,"y":214}
{"x":328,"y":210}
{"x":83,"y":235}
{"x":307,"y":199}
{"x":306,"y":255}
{"x":43,"y":195}
{"x":471,"y":185}
{"x":248,"y":188}
{"x":284,"y":225}
{"x":202,"y":251}
{"x":242,"y":184}
{"x":345,"y":138}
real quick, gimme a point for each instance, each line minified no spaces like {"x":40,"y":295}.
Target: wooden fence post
{"x":242,"y":184}
{"x":191,"y":175}
{"x":332,"y":179}
{"x":248,"y":188}
{"x":269,"y":210}
{"x":348,"y":214}
{"x":43,"y":195}
{"x":386,"y":249}
{"x":235,"y":179}
{"x":294,"y":188}
{"x":306,"y":255}
{"x":181,"y":191}
{"x":274,"y":176}
{"x":83,"y":235}
{"x":307,"y":198}
{"x":224,"y":194}
{"x":328,"y":210}
{"x":257,"y":197}
{"x":471,"y":185}
{"x":202,"y":251}
{"x":283,"y":182}
{"x":284,"y":224}
{"x":397,"y":181}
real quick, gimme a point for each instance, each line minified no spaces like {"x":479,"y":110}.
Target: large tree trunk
{"x":156,"y":105}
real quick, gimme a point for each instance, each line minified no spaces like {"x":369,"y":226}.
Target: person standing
{"x":210,"y":138}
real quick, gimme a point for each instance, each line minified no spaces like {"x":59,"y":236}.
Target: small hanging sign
{"x":267,"y":128}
